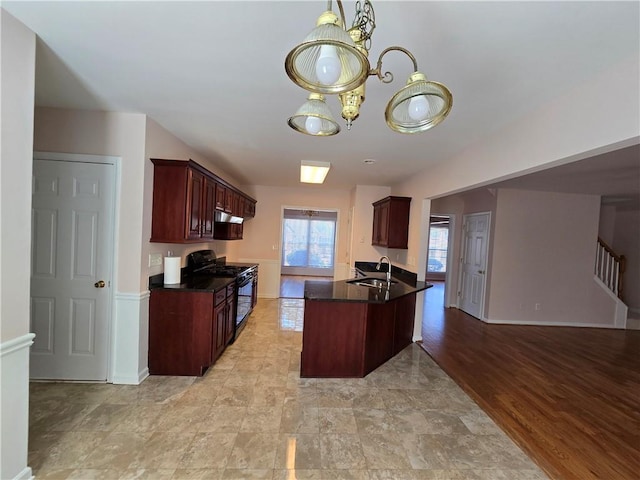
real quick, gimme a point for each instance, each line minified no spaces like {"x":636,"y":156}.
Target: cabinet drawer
{"x":221,"y":296}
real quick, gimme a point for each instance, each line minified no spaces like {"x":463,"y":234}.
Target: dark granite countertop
{"x":196,"y":283}
{"x":343,"y":291}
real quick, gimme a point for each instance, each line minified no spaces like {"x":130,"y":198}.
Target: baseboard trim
{"x":26,"y":474}
{"x":131,"y":379}
{"x":549,"y":324}
{"x":142,"y":375}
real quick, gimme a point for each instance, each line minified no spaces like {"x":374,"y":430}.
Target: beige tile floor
{"x":251,"y":416}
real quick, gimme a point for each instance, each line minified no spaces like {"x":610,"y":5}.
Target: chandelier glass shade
{"x":314,"y":118}
{"x":328,"y":43}
{"x":418,"y":106}
{"x":334,"y":61}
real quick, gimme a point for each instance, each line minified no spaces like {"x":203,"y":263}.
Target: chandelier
{"x":334,"y":61}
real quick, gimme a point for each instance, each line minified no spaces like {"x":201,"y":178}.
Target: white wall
{"x":626,"y":241}
{"x":543,"y":253}
{"x":607,"y":224}
{"x":18,"y":70}
{"x":364,"y":196}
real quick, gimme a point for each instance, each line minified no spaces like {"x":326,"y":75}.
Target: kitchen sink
{"x":372,"y":282}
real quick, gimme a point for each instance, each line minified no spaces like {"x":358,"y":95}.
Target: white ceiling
{"x":213,"y":73}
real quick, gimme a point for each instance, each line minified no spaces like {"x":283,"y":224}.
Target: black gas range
{"x":205,"y":263}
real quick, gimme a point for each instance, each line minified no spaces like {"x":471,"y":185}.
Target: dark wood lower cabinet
{"x":379,"y":340}
{"x":230,"y":314}
{"x":220,"y":315}
{"x":188,"y":331}
{"x":404,"y":319}
{"x":351,"y":339}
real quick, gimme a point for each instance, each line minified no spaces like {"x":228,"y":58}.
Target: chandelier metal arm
{"x":342,"y":17}
{"x":387,"y":77}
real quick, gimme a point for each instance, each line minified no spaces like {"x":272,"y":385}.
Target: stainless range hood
{"x":223,"y":217}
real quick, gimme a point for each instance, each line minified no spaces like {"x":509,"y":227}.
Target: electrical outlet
{"x":538,"y":306}
{"x":155,"y":259}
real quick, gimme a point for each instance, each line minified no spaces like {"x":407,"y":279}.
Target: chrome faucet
{"x":389,"y":270}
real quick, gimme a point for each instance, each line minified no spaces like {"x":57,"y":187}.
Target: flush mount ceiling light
{"x":313,"y":172}
{"x":334,"y":61}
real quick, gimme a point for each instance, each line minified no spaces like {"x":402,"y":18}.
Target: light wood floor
{"x":292,"y":286}
{"x":570,"y":397}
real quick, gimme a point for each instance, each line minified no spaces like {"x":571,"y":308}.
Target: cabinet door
{"x":239,"y":210}
{"x":208,"y":208}
{"x":249,"y":208}
{"x":230,"y":320}
{"x":398,"y":231}
{"x":195,"y":192}
{"x":379,"y":335}
{"x":381,"y":224}
{"x":219,"y":340}
{"x":221,"y":193}
{"x":391,"y":222}
{"x":237,"y":230}
{"x":375,"y":233}
{"x":228,"y":201}
{"x":404,"y":320}
{"x":180,"y":332}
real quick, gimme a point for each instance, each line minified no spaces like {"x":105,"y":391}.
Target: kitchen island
{"x":351,"y":328}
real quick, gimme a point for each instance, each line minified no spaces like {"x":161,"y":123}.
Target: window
{"x":438,"y":241}
{"x":308,"y":242}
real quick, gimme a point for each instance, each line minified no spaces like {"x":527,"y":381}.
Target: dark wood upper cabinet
{"x":391,"y":222}
{"x":249,"y":209}
{"x":228,"y":200}
{"x":209,"y":205}
{"x":185,"y":198}
{"x":221,"y":193}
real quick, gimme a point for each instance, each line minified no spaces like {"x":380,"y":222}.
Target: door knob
{"x":481,"y":272}
{"x":99,"y":284}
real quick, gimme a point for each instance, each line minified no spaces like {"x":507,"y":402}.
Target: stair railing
{"x":610,"y":267}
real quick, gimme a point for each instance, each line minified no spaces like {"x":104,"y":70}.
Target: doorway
{"x":473,"y":267}
{"x":438,"y":249}
{"x":308,"y":242}
{"x":73,"y":205}
{"x":308,"y":249}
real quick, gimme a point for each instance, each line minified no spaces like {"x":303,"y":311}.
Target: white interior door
{"x":474,"y":263}
{"x":71,"y":267}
